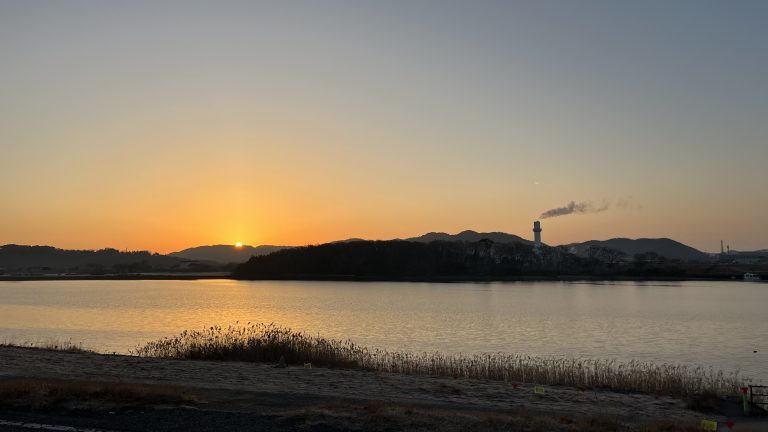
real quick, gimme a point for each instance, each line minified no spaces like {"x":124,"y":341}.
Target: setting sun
{"x":562,"y":204}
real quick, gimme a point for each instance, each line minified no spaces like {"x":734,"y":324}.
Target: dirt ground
{"x":248,"y":396}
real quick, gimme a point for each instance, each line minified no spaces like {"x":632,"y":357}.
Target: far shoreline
{"x":353,"y":278}
{"x":131,"y":276}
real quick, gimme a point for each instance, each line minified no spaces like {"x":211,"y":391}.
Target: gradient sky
{"x":166,"y":124}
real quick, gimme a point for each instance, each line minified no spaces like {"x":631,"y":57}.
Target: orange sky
{"x":297,"y":123}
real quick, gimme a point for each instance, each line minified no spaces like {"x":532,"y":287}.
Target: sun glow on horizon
{"x":245,"y":119}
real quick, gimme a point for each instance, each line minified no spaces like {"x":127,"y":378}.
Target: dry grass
{"x":268,"y":343}
{"x":41,"y":393}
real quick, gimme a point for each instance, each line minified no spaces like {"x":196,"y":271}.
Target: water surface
{"x":718,"y":324}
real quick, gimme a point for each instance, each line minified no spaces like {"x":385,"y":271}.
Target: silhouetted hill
{"x":754,"y":252}
{"x":225,"y":254}
{"x":401,"y":259}
{"x":471,"y":236}
{"x":47,"y":259}
{"x":665,"y":247}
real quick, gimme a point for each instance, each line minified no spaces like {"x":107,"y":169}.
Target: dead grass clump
{"x":268,"y":343}
{"x":259,"y":343}
{"x":40,"y":393}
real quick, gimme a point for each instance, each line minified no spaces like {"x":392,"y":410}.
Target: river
{"x":723,"y":325}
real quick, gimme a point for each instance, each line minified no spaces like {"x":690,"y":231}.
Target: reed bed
{"x":270,"y":343}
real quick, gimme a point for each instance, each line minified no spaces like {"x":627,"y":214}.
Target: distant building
{"x":537,"y":235}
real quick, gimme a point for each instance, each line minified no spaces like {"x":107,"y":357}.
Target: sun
{"x":238,"y":245}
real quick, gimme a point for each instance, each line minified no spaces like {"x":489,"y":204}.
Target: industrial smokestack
{"x":537,"y":235}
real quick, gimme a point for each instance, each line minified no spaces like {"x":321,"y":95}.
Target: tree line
{"x":399,"y":259}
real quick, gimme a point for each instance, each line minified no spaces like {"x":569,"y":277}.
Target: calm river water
{"x":718,"y":324}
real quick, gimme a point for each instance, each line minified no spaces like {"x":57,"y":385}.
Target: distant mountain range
{"x":47,"y":259}
{"x":471,"y":236}
{"x":754,"y":252}
{"x":662,"y":246}
{"x":225,"y":254}
{"x":665,"y":247}
{"x":20,"y":258}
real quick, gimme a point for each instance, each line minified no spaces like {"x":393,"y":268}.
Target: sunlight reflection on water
{"x":711,"y":323}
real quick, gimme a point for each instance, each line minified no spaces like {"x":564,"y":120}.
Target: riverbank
{"x":299,"y":398}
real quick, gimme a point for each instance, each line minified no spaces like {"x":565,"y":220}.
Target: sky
{"x":160,"y":125}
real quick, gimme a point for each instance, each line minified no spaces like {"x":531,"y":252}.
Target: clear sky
{"x":166,"y":124}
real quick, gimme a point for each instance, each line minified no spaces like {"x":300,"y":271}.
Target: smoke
{"x":628,"y":203}
{"x":574,"y":207}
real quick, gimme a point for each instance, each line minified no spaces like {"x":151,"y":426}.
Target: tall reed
{"x":270,"y":343}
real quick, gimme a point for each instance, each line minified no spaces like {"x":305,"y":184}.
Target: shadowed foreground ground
{"x":170,"y":395}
